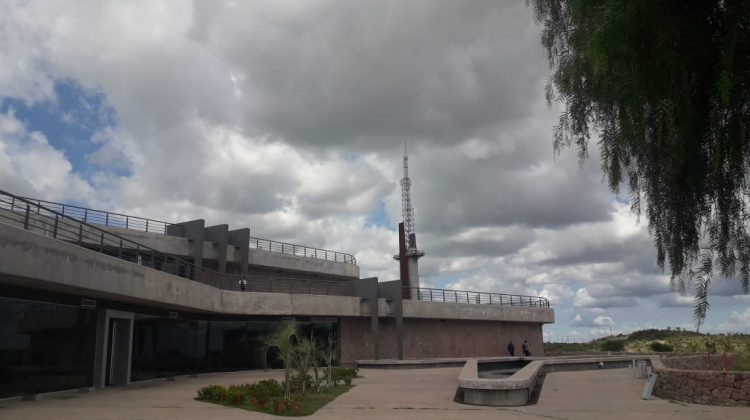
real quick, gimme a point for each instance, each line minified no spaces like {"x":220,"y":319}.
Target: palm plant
{"x":284,"y":341}
{"x":328,"y":354}
{"x":304,"y":359}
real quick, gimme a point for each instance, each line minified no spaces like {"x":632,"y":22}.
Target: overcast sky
{"x":290,"y":118}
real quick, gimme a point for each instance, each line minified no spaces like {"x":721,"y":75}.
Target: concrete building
{"x":92,"y":298}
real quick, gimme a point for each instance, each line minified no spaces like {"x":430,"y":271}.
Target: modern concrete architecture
{"x":92,"y":298}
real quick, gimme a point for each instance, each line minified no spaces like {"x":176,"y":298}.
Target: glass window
{"x":45,"y":347}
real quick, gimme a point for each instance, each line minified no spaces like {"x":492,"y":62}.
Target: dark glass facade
{"x":45,"y":347}
{"x":165,"y":347}
{"x":48,"y":347}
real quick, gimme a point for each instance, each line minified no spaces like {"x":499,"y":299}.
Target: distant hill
{"x":654,"y":334}
{"x":644,"y":341}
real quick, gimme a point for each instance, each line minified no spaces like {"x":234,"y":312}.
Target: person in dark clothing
{"x":511,"y":348}
{"x":526,"y":351}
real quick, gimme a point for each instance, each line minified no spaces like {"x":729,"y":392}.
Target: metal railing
{"x":292,"y":285}
{"x":32,"y":216}
{"x":301,"y":250}
{"x":118,"y":220}
{"x":479,"y":298}
{"x":105,"y":218}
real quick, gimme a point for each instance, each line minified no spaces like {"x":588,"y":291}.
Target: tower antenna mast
{"x":407,"y":211}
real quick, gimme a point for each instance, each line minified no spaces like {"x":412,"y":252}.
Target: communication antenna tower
{"x":407,"y":211}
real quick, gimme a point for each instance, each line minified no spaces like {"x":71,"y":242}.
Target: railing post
{"x":54,"y":231}
{"x":106,"y":219}
{"x":80,"y":233}
{"x":85,"y":215}
{"x":146,"y":225}
{"x":26,"y":218}
{"x":127,"y":219}
{"x":443,"y":293}
{"x":490,"y":298}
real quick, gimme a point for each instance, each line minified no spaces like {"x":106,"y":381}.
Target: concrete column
{"x":194,"y":231}
{"x":392,"y":292}
{"x":240,"y":239}
{"x":413,"y":268}
{"x":219,"y":235}
{"x":367,"y":289}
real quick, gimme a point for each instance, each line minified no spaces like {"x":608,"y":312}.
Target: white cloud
{"x":603,"y":320}
{"x":30,"y":166}
{"x":741,"y":318}
{"x":289,"y":118}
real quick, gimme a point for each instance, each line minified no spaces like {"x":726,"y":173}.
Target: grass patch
{"x":298,"y":407}
{"x":744,"y":363}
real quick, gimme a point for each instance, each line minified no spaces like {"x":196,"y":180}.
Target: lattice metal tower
{"x":407,"y":211}
{"x":408,"y":254}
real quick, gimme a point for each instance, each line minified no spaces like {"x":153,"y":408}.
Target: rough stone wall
{"x":688,"y":379}
{"x":438,"y":338}
{"x":702,"y":362}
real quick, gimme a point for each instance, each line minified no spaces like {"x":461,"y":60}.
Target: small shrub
{"x":212,"y":393}
{"x":342,"y":374}
{"x":265,"y":390}
{"x":295,"y":383}
{"x":236,"y":394}
{"x":613,"y":345}
{"x":660,"y":347}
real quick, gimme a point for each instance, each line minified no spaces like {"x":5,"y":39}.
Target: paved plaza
{"x":379,"y":394}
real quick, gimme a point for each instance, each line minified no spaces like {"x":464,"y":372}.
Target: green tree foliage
{"x":665,"y":86}
{"x":613,"y":345}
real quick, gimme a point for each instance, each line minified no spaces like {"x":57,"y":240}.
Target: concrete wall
{"x":261,"y":262}
{"x":424,"y":309}
{"x":32,"y":260}
{"x":690,"y":379}
{"x":429,"y":338}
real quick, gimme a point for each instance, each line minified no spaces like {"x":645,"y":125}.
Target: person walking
{"x":526,"y":351}
{"x":511,"y":348}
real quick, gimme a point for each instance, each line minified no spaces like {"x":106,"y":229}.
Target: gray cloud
{"x":289,"y":118}
{"x":371,"y":74}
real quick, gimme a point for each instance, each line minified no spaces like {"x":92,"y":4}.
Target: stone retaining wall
{"x":699,"y":379}
{"x":703,"y":362}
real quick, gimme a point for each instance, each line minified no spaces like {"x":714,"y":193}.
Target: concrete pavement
{"x":379,"y":394}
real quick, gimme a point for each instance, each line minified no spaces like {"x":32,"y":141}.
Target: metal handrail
{"x":49,"y":222}
{"x":33,"y":216}
{"x":301,"y":250}
{"x":274,"y":284}
{"x":118,"y":220}
{"x":480,"y":298}
{"x":106,"y":218}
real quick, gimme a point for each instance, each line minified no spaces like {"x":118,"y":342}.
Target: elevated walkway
{"x":221,"y":249}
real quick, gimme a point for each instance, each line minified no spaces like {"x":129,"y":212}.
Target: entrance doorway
{"x":118,"y":352}
{"x":114,"y":348}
